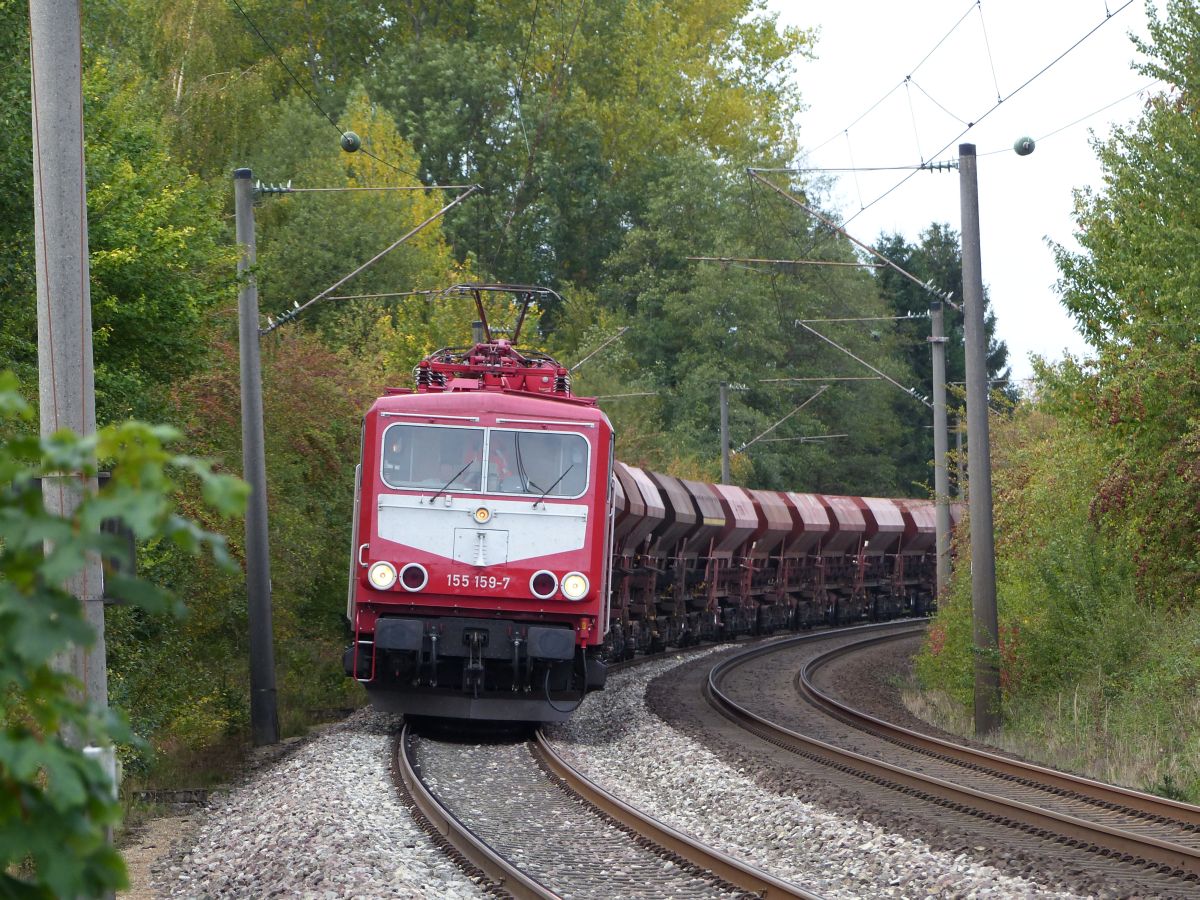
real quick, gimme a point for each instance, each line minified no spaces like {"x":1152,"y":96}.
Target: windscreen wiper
{"x":553,"y":486}
{"x":442,"y":489}
{"x":525,"y":482}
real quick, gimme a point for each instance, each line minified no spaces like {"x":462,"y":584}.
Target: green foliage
{"x":1094,"y":676}
{"x":158,"y":259}
{"x":54,"y":801}
{"x":694,"y":325}
{"x":18,"y":323}
{"x":1132,"y":293}
{"x":564,"y":114}
{"x":210,"y":76}
{"x":313,"y":400}
{"x":1064,"y":587}
{"x":311,"y":241}
{"x":936,"y":259}
{"x":157,"y":262}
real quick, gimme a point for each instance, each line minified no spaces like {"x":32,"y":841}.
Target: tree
{"x":694,"y":325}
{"x":565,"y":114}
{"x":1132,"y":293}
{"x":157,"y":261}
{"x":54,"y":801}
{"x":158,"y":252}
{"x":935,"y":259}
{"x":211,"y":78}
{"x":309,"y":242}
{"x":18,"y":314}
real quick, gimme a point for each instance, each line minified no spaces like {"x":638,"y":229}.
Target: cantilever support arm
{"x":829,"y":223}
{"x":370,"y":262}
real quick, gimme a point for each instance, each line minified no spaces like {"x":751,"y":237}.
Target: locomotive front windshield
{"x":441,"y":457}
{"x":431,"y":456}
{"x":537,"y":462}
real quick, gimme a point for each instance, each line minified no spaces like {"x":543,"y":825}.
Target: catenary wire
{"x":899,"y":84}
{"x":303,"y":87}
{"x":995,"y":106}
{"x":800,"y":170}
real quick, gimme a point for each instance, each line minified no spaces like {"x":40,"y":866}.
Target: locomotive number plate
{"x":479,"y":582}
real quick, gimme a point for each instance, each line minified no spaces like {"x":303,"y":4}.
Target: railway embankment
{"x":326,"y":817}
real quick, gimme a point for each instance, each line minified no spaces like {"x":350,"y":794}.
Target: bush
{"x":1094,"y":676}
{"x":55,"y":802}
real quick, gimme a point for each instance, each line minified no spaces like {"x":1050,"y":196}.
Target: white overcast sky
{"x":866,"y":48}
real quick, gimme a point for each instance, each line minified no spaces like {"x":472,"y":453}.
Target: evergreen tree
{"x":935,"y":259}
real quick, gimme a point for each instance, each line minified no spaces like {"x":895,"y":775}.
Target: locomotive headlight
{"x":382,"y":575}
{"x":482,"y":515}
{"x":574,"y":585}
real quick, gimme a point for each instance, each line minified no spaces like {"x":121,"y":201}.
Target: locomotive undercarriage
{"x":485,"y":669}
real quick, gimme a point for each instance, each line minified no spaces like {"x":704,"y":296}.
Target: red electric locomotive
{"x":482,"y":540}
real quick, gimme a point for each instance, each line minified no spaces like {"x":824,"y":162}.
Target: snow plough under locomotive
{"x":501,"y":555}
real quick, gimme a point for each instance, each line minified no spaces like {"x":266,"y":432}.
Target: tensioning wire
{"x":303,"y":87}
{"x":1042,"y":71}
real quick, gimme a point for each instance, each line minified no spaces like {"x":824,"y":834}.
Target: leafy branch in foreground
{"x":55,"y":802}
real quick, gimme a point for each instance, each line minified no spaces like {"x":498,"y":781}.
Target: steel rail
{"x":503,"y":873}
{"x":1108,"y":840}
{"x":1113,"y":796}
{"x":730,"y":869}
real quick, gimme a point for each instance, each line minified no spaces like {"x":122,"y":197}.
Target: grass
{"x":1079,"y":731}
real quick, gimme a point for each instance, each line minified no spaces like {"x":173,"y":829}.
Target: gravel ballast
{"x":630,"y":751}
{"x":326,"y":822}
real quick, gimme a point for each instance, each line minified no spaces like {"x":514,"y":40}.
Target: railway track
{"x":529,"y":825}
{"x":1121,"y":825}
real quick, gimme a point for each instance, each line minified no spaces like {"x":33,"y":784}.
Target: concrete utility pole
{"x":941,"y":478}
{"x":264,"y":717}
{"x":979,"y":464}
{"x":724,"y":433}
{"x":66,"y":381}
{"x":960,"y":481}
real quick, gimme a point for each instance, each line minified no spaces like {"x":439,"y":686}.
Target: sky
{"x":895,"y":82}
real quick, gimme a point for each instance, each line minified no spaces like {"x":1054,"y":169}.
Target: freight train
{"x":502,"y":556}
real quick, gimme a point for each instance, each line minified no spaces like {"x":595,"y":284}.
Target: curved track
{"x":532,"y":826}
{"x":1115,"y":822}
{"x":732,"y":870}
